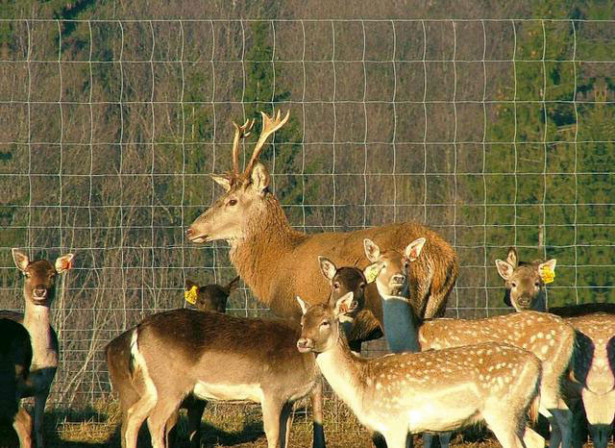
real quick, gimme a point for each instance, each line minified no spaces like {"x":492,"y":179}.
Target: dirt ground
{"x":238,"y":425}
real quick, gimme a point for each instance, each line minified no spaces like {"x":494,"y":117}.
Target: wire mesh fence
{"x":496,"y":133}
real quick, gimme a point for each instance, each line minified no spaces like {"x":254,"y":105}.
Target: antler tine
{"x":270,"y":125}
{"x":242,"y":131}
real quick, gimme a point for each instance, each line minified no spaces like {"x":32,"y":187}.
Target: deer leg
{"x":23,"y":427}
{"x":445,"y":439}
{"x":136,"y":414}
{"x":378,"y":440}
{"x":128,"y":397}
{"x":159,"y":417}
{"x":397,"y":438}
{"x":318,"y":440}
{"x":285,"y":424}
{"x":561,"y":421}
{"x":531,"y":439}
{"x":579,"y":424}
{"x":195,"y":408}
{"x":39,"y":413}
{"x":170,"y":429}
{"x":505,"y":430}
{"x":272,"y":415}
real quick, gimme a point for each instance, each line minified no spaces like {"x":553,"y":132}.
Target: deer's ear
{"x":304,"y":306}
{"x":372,"y":251}
{"x":222,"y":180}
{"x":189,"y":285}
{"x":504,"y":269}
{"x":413,"y":250}
{"x":21,"y":260}
{"x":327,"y":268}
{"x":259,"y":178}
{"x":548,"y":264}
{"x":64,"y":263}
{"x":345,"y":305}
{"x":233,"y":285}
{"x":513,"y":257}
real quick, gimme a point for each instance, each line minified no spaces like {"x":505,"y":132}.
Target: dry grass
{"x":237,"y":425}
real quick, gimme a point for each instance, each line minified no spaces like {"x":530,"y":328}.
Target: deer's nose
{"x":39,"y":293}
{"x":398,"y":279}
{"x":189,"y":232}
{"x":305,"y":345}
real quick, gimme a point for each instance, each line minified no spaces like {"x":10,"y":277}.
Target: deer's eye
{"x":336,"y":285}
{"x":362,"y":286}
{"x":537,"y":284}
{"x":232,"y":202}
{"x":514,"y":284}
{"x":325,"y":324}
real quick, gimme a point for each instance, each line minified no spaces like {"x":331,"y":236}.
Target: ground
{"x":236,"y":425}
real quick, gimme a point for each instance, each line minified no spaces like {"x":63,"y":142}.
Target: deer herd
{"x":332,"y":292}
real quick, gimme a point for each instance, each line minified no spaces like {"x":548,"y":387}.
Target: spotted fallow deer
{"x":549,"y":337}
{"x":217,"y":357}
{"x":592,"y":380}
{"x":276,"y":261}
{"x":15,"y":359}
{"x":130,"y":387}
{"x":439,"y":390}
{"x":39,"y":292}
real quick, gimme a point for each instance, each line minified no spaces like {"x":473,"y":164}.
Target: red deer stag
{"x":276,"y":261}
{"x":438,"y":390}
{"x":130,"y":387}
{"x":549,"y":337}
{"x":15,"y":359}
{"x":592,"y":381}
{"x":39,"y":292}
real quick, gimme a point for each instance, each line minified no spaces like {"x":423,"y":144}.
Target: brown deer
{"x":592,"y":380}
{"x":549,"y":337}
{"x":216,"y":357}
{"x":39,"y":292}
{"x":15,"y":359}
{"x":276,"y":261}
{"x":525,"y":283}
{"x":130,"y":387}
{"x":439,"y":390}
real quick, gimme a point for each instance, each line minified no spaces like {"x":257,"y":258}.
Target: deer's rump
{"x":431,"y":278}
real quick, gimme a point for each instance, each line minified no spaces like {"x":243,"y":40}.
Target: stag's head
{"x":320,"y":323}
{"x":245,"y":193}
{"x":391,"y":268}
{"x":525,"y":282}
{"x":40,"y":275}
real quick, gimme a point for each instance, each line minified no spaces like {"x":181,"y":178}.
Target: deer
{"x":548,"y":337}
{"x":276,"y":261}
{"x":439,"y":390}
{"x":213,"y":356}
{"x":130,"y":388}
{"x":39,"y":293}
{"x":592,"y":377}
{"x":210,"y":297}
{"x":15,"y":359}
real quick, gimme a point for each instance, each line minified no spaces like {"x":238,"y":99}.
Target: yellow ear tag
{"x":371,"y":272}
{"x":547,"y":274}
{"x":191,"y":294}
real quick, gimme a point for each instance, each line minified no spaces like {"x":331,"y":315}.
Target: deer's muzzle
{"x":305,"y":345}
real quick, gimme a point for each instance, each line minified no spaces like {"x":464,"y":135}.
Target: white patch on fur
{"x":141,"y":366}
{"x":229,"y":392}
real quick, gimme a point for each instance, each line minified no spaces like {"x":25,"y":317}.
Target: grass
{"x":238,"y":425}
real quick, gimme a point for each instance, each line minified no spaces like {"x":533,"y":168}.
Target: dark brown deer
{"x":39,"y":293}
{"x":130,"y":387}
{"x":439,"y":390}
{"x":549,"y":337}
{"x":15,"y":359}
{"x":210,"y":297}
{"x":592,"y":381}
{"x":276,"y":261}
{"x":216,"y":357}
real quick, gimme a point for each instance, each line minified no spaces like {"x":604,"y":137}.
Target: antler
{"x":270,"y":125}
{"x":240,"y":132}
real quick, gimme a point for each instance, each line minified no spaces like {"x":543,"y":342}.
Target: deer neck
{"x":262,"y":252}
{"x":345,"y":373}
{"x":400,"y":324}
{"x":37,"y":322}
